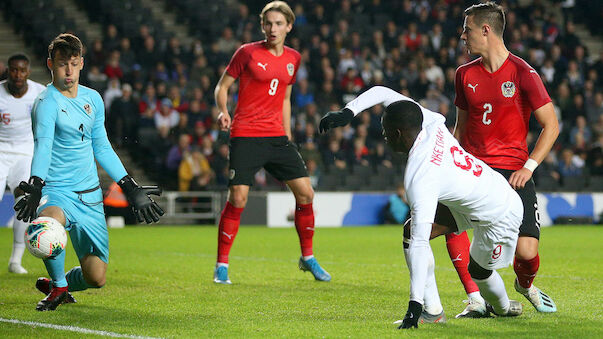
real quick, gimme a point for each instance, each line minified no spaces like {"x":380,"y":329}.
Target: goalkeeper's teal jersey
{"x":69,"y":133}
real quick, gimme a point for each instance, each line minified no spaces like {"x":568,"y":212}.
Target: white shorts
{"x":493,"y":245}
{"x":14,"y":168}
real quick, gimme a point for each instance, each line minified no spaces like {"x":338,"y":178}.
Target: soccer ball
{"x":45,"y":238}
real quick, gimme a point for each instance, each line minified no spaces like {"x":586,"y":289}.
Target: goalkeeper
{"x":69,"y":135}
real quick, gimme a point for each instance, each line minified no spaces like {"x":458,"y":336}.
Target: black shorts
{"x":277,"y":155}
{"x":531,"y":219}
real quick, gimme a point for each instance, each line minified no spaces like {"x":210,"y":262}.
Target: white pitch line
{"x":74,"y":329}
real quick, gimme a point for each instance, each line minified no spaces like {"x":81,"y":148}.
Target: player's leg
{"x":19,"y":227}
{"x":527,"y":260}
{"x":433,"y":311}
{"x":286,"y":164}
{"x":90,"y":239}
{"x":246,"y":158}
{"x":304,"y":225}
{"x":55,"y":288}
{"x":10,"y":167}
{"x":458,"y":250}
{"x":90,"y":274}
{"x":492,"y":289}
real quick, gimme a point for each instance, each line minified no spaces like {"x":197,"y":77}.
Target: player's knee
{"x":478,"y":272}
{"x":96,"y":281}
{"x":238,"y":199}
{"x":305,"y":197}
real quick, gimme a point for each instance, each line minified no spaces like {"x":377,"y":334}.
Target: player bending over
{"x":69,"y":135}
{"x":440,"y":171}
{"x":17,"y":95}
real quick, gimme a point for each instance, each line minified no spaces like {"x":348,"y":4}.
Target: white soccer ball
{"x":45,"y":237}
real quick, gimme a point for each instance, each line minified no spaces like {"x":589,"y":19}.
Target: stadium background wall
{"x":276,"y":209}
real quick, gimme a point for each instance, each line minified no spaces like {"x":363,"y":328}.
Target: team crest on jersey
{"x":290,"y":69}
{"x":508,"y":89}
{"x":88,"y":109}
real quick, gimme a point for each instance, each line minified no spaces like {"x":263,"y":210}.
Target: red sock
{"x":304,"y":224}
{"x":526,"y":270}
{"x":458,"y":249}
{"x":227,"y":230}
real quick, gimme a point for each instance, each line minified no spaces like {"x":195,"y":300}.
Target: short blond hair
{"x":278,"y":6}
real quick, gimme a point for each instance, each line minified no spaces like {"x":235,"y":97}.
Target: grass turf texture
{"x":159,"y":283}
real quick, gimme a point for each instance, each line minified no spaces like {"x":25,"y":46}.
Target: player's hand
{"x":27,"y":205}
{"x":145,"y":208}
{"x":412,"y":315}
{"x":335,"y":119}
{"x":224,"y":121}
{"x":519,"y":178}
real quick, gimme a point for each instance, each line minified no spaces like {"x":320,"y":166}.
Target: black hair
{"x":404,"y":115}
{"x":18,"y":57}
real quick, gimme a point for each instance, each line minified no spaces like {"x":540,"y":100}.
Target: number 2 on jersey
{"x":273,"y":86}
{"x":488,"y":109}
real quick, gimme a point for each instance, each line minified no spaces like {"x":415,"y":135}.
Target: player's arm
{"x":43,"y":117}
{"x":144,"y":207}
{"x":422,"y":195}
{"x":287,"y":112}
{"x":550,"y":131}
{"x":374,"y":96}
{"x":461,"y":123}
{"x":221,"y":97}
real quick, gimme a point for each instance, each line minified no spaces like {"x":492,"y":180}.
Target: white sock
{"x":493,"y":291}
{"x":431,"y":298}
{"x":476,"y":297}
{"x":218,"y":264}
{"x":307,"y":257}
{"x":19,"y":228}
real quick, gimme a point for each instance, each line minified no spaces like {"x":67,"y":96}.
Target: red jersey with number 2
{"x":499,"y":106}
{"x":263,"y":80}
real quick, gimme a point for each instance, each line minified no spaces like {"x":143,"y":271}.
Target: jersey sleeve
{"x":460,"y":101}
{"x":297,"y":63}
{"x":103,"y":152}
{"x":423,"y":199}
{"x":375,"y":96}
{"x":238,"y":62}
{"x":533,"y":89}
{"x":43,"y":118}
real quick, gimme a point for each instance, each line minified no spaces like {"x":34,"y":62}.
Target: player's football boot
{"x":432,"y":318}
{"x":312,"y":265}
{"x":14,"y":267}
{"x":515,"y":309}
{"x":221,"y":275}
{"x":475,"y":309}
{"x":540,"y":300}
{"x":43,"y":285}
{"x":56,"y":297}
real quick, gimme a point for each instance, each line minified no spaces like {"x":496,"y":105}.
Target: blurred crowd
{"x":159,"y":93}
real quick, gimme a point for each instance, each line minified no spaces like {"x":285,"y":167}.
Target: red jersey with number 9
{"x":499,"y":106}
{"x":263,"y":80}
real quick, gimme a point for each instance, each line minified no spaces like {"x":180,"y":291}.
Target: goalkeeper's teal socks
{"x":56,"y":269}
{"x":75,"y":278}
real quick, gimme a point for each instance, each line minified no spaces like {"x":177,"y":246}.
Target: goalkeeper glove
{"x":143,"y":206}
{"x":27,"y":205}
{"x":335,"y":119}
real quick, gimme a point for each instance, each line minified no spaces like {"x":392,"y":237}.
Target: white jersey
{"x":440,"y":170}
{"x":15,"y":119}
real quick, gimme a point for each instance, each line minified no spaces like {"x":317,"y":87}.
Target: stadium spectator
{"x":194,"y":172}
{"x":396,"y":210}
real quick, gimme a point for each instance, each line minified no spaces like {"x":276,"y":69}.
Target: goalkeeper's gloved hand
{"x":335,"y":119}
{"x":412,"y":315}
{"x":27,"y":205}
{"x":143,"y":206}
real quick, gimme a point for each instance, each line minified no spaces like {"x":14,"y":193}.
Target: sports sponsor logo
{"x":263,"y":66}
{"x":290,"y":69}
{"x":508,"y":89}
{"x":472,"y":86}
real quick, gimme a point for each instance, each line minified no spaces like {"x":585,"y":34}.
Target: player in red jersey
{"x":495,"y":95}
{"x":260,"y":134}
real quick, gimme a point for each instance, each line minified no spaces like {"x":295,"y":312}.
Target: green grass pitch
{"x":160,"y":285}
